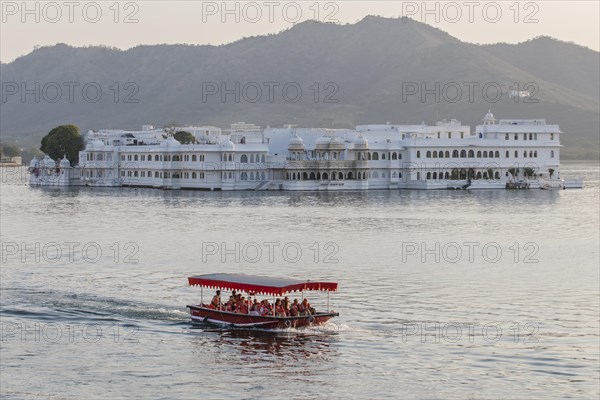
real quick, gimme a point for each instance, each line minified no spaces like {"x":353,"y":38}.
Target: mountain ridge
{"x":369,"y":62}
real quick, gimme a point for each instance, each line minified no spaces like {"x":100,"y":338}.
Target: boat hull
{"x":201,"y":314}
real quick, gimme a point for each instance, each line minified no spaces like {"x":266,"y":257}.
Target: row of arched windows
{"x":252,"y":159}
{"x":334,"y":175}
{"x":244,"y":176}
{"x":376,"y":156}
{"x":462,"y":174}
{"x":473,"y":154}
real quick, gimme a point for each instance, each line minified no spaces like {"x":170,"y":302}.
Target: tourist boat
{"x":258,"y":285}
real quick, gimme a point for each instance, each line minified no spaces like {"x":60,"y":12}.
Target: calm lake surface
{"x":442,"y":294}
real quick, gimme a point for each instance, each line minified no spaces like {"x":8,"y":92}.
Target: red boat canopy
{"x":258,"y":284}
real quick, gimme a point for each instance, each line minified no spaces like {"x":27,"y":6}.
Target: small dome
{"x":296,"y":141}
{"x":64,"y":163}
{"x":489,"y":116}
{"x":47,"y":162}
{"x":34,"y":162}
{"x":227,"y":145}
{"x":361,"y":141}
{"x":337,"y":142}
{"x":323,"y":140}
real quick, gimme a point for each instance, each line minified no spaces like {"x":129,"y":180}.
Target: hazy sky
{"x":125,"y":24}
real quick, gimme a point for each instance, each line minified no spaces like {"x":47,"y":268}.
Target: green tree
{"x":64,"y":139}
{"x":528,"y":172}
{"x":184,"y":137}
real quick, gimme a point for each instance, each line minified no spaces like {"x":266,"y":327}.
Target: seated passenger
{"x":265,"y":308}
{"x":243,"y":307}
{"x":279,"y":310}
{"x":254,"y":308}
{"x":216,"y":301}
{"x":306,"y":307}
{"x":295,"y":308}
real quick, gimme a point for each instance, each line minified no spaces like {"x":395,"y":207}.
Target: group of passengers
{"x":282,"y":308}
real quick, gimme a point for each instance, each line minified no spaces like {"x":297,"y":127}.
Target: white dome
{"x":47,"y":162}
{"x":489,"y":116}
{"x":64,"y":163}
{"x":296,"y":141}
{"x":34,"y":162}
{"x":227,"y":145}
{"x":323,"y":140}
{"x":361,"y":141}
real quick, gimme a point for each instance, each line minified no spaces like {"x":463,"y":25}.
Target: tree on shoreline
{"x":63,"y":140}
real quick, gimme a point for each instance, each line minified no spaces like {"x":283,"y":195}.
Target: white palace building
{"x":509,"y":153}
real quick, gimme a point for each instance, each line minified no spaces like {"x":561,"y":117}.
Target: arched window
{"x":383,"y":156}
{"x":369,"y":156}
{"x":455,"y":154}
{"x":251,"y":158}
{"x":525,"y":154}
{"x":447,"y":175}
{"x":428,"y":154}
{"x":418,"y":176}
{"x":463,"y":154}
{"x":375,"y":156}
{"x":435,"y":154}
{"x":243,"y":159}
{"x":535,"y":154}
{"x":531,"y":136}
{"x":287,"y":176}
{"x":325,"y":176}
{"x":507,"y":154}
{"x":340,"y":175}
{"x":551,"y":153}
{"x":530,"y":154}
{"x":318,"y":176}
{"x":194,"y":175}
{"x":516,"y":154}
{"x":418,"y":154}
{"x":434,"y":176}
{"x":497,"y":154}
{"x":479,"y":154}
{"x":312,"y":176}
{"x":350,"y":176}
{"x":478,"y":176}
{"x":394,"y":156}
{"x":497,"y":175}
{"x":471,"y":154}
{"x":447,"y":154}
{"x":428,"y":176}
{"x":305,"y":176}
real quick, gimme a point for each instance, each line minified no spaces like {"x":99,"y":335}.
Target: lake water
{"x":442,"y":294}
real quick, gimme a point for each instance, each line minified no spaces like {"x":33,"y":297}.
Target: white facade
{"x":389,"y":156}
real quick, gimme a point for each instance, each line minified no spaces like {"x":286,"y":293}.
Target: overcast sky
{"x":130,"y":23}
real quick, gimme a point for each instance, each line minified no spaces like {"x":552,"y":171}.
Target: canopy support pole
{"x":328,"y":293}
{"x":201,"y":295}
